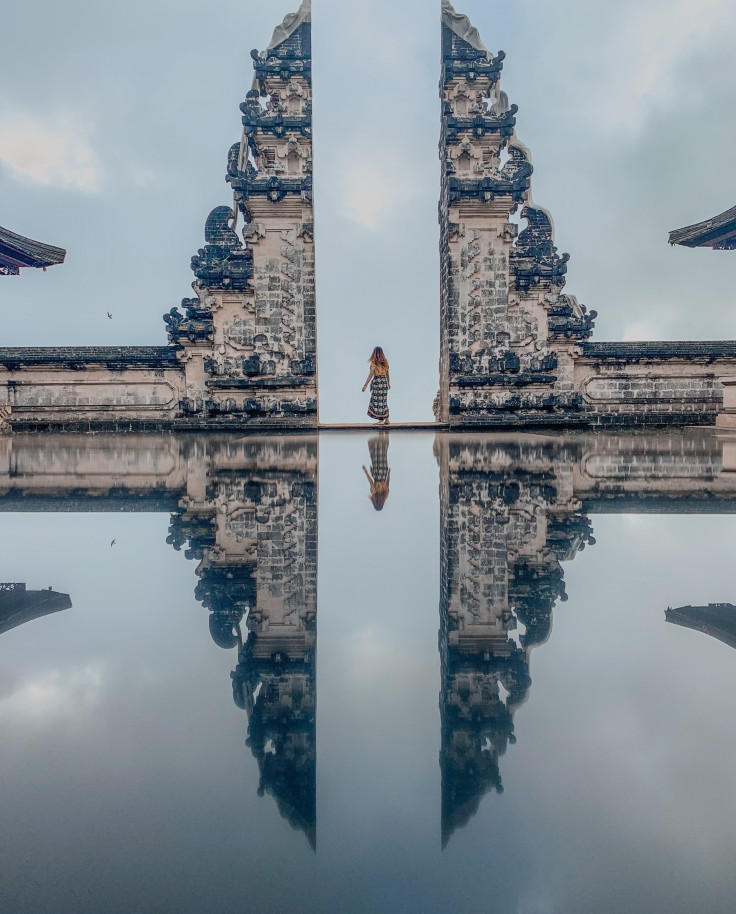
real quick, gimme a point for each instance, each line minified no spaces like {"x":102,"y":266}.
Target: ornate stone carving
{"x":255,"y":307}
{"x":223,"y":263}
{"x":506,"y":327}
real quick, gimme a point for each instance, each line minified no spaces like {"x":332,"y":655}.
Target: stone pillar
{"x":249,"y":337}
{"x":507,"y":331}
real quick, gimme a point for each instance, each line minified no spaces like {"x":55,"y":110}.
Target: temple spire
{"x":462,"y":27}
{"x":292,"y":21}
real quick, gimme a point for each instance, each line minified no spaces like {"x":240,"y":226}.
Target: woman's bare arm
{"x":370,"y":478}
{"x":388,"y":380}
{"x":367,"y":380}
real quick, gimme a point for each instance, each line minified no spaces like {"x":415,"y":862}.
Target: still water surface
{"x":298,"y":682}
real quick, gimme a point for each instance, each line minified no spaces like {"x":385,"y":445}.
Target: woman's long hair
{"x":378,"y":495}
{"x":378,"y":358}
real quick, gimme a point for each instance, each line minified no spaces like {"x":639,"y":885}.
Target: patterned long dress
{"x":378,"y":407}
{"x":378,"y":449}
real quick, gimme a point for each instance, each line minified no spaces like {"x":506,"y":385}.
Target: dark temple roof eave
{"x":17,"y":251}
{"x":660,"y":349}
{"x":716,"y":619}
{"x":116,"y":357}
{"x":19,"y":606}
{"x":717,"y":232}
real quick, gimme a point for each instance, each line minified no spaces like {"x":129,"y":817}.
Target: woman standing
{"x":378,"y":378}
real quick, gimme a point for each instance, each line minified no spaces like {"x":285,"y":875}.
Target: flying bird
{"x":109,"y":315}
{"x":113,"y":543}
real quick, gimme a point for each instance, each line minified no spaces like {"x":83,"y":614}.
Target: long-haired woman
{"x":378,"y":378}
{"x":379,"y":477}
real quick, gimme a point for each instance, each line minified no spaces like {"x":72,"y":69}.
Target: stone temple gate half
{"x":515,"y":348}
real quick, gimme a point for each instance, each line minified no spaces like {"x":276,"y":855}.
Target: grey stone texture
{"x":514,"y":346}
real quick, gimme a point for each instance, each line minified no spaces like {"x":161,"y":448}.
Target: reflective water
{"x":322,"y":675}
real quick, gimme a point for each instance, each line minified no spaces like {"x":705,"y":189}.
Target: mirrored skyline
{"x":192,"y":565}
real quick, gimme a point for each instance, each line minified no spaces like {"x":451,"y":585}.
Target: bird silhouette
{"x":113,"y":543}
{"x":109,"y":315}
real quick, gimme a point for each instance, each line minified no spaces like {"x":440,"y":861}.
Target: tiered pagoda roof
{"x":716,"y":619}
{"x":18,"y":605}
{"x":718,"y":233}
{"x":17,"y":251}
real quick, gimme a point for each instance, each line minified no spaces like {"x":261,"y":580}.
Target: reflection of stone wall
{"x":513,"y":508}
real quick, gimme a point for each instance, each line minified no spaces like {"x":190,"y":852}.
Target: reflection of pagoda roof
{"x":281,"y":736}
{"x":476,"y":730}
{"x":716,"y":619}
{"x":294,"y":788}
{"x":469,"y":765}
{"x":18,"y":605}
{"x":463,"y":791}
{"x":718,"y":233}
{"x":17,"y":251}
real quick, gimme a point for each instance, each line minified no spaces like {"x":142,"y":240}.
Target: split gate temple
{"x":513,"y":509}
{"x":515,"y":348}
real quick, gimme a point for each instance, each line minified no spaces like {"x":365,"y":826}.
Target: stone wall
{"x":672,"y":383}
{"x":81,"y":388}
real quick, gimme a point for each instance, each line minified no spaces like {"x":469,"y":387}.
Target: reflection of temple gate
{"x":508,"y":519}
{"x":513,"y":508}
{"x":255,"y":534}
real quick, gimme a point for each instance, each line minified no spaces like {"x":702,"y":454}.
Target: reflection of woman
{"x":380,"y":385}
{"x":380,"y":474}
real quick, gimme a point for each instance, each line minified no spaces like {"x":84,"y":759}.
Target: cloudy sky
{"x":115,"y":122}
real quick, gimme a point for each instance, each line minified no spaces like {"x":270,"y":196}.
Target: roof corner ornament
{"x":292,"y":21}
{"x":462,"y":27}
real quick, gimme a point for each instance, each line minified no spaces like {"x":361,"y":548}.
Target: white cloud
{"x":55,"y":694}
{"x":54,"y":150}
{"x":373,"y":183}
{"x":650,"y":55}
{"x":636,"y":332}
